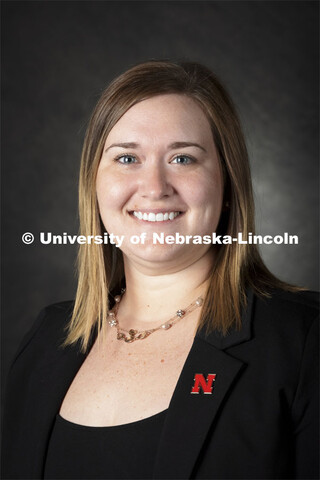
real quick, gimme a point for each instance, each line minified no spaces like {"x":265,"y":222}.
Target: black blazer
{"x":259,"y":422}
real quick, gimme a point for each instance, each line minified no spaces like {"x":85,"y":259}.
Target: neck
{"x":158,"y":296}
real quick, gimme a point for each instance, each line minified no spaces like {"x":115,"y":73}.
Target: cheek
{"x":205,"y":199}
{"x":205,"y":193}
{"x":111,"y":192}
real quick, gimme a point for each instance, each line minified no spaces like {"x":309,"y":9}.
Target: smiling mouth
{"x":155,"y":217}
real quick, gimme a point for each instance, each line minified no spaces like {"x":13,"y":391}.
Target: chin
{"x":173,"y":256}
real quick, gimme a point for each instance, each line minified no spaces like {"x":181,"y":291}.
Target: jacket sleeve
{"x":29,"y":335}
{"x":305,"y":409}
{"x":32,"y":398}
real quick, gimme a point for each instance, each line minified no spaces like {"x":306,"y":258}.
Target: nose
{"x":154,"y":182}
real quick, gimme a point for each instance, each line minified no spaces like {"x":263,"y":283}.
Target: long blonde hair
{"x":100,"y":267}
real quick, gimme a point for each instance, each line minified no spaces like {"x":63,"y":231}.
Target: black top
{"x":122,"y":451}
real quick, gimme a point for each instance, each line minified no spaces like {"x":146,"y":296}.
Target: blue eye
{"x":126,"y":159}
{"x":182,"y":160}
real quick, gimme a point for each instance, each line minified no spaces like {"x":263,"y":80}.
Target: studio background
{"x":57,"y":57}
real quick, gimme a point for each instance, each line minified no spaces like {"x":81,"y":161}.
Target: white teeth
{"x":159,"y":217}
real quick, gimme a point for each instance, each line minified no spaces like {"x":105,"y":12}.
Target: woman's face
{"x":159,"y":172}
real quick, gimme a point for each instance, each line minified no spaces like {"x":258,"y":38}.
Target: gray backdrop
{"x":58,"y":56}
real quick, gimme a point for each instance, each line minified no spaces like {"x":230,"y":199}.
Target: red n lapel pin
{"x":205,"y":384}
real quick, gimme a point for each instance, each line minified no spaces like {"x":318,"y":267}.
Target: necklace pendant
{"x":180,"y":313}
{"x":113,"y":322}
{"x":143,"y":335}
{"x":166,"y":326}
{"x":132,"y":336}
{"x":112,"y":319}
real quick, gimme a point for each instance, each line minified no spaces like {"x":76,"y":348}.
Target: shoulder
{"x":303,"y":299}
{"x":282,"y":308}
{"x":286,"y":323}
{"x":49,"y":327}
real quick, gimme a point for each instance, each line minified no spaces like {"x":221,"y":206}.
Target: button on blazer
{"x":258,"y":419}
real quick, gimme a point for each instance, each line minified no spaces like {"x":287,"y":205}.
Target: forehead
{"x":163,"y":116}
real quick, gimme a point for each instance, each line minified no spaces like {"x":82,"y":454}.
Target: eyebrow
{"x":186,"y":144}
{"x":123,"y":145}
{"x":172,"y":146}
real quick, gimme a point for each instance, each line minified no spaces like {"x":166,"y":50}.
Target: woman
{"x":177,"y":360}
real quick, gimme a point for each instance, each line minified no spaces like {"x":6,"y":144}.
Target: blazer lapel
{"x":190,"y":416}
